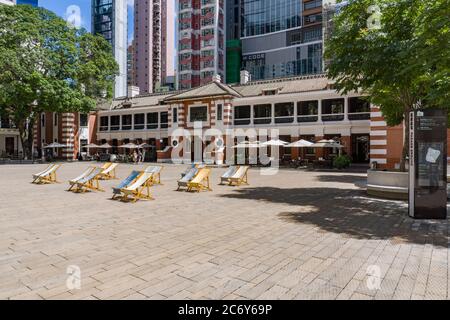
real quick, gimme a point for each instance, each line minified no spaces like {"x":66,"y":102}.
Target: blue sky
{"x":60,"y":8}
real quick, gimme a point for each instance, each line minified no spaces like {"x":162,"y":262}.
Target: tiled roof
{"x":286,"y":85}
{"x":210,"y":90}
{"x":214,"y":89}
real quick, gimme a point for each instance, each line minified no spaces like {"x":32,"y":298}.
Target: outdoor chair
{"x":47,"y":176}
{"x":110,"y":172}
{"x":139,"y":189}
{"x":225,"y":178}
{"x":125,"y":183}
{"x":90,"y":182}
{"x":183,"y":182}
{"x":240,"y":177}
{"x":200,"y":181}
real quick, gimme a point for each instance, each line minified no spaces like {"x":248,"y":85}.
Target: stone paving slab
{"x":294,"y":235}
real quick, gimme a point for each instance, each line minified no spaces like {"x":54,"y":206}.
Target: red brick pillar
{"x":346,"y":141}
{"x":319,"y":151}
{"x":294,"y":151}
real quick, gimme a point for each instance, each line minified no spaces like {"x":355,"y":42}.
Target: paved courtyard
{"x":295,"y":235}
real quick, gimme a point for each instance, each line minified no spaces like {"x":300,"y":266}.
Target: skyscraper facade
{"x":154,"y":43}
{"x":281,"y":38}
{"x":33,"y":3}
{"x":201,"y":42}
{"x":109,"y":19}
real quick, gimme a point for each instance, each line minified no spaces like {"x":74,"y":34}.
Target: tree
{"x":48,"y":66}
{"x":394,"y":51}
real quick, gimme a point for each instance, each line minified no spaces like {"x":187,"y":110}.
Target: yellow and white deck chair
{"x":240,"y":177}
{"x":91,"y":181}
{"x":46,"y":176}
{"x":106,"y":165}
{"x":139,"y":189}
{"x":110,"y":172}
{"x":156,"y":170}
{"x":200,"y":181}
{"x":73,"y":182}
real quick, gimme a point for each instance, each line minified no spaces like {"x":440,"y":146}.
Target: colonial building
{"x":298,"y":108}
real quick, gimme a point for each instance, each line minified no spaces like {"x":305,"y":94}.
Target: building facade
{"x":281,"y":38}
{"x":297,"y":108}
{"x":130,"y":65}
{"x":109,"y":19}
{"x":201,"y":42}
{"x":33,"y":3}
{"x":154,"y":43}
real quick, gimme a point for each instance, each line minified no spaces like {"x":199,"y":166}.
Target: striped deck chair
{"x":200,"y":181}
{"x":106,"y":165}
{"x":47,"y":176}
{"x":156,"y":170}
{"x":240,"y":177}
{"x":183,"y":182}
{"x":137,"y":189}
{"x":110,"y":172}
{"x":90,"y":182}
{"x":37,"y":176}
{"x":73,"y":182}
{"x":225,"y":178}
{"x":125,"y":183}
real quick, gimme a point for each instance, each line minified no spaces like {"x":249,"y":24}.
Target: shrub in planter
{"x":342,"y":162}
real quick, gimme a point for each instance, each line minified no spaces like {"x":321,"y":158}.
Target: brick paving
{"x":295,"y":235}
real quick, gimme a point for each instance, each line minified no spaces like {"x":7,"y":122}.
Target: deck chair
{"x":106,"y":165}
{"x":47,"y":176}
{"x":200,"y":181}
{"x":90,"y":182}
{"x":183,"y":182}
{"x":81,"y":176}
{"x":156,"y":170}
{"x":125,"y":183}
{"x":110,"y":172}
{"x":44,"y":172}
{"x":225,"y":178}
{"x":137,"y":189}
{"x":240,"y":176}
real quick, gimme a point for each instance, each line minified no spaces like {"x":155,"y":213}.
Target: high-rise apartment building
{"x":201,"y":42}
{"x":154,"y":43}
{"x":33,"y":3}
{"x":109,"y":19}
{"x":281,"y":38}
{"x":130,"y":65}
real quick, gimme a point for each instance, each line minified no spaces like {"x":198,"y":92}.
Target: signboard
{"x":428,"y":164}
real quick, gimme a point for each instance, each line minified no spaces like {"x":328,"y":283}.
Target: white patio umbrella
{"x":91,"y":145}
{"x":55,"y":145}
{"x":247,"y":144}
{"x":105,"y":146}
{"x":326,"y":144}
{"x":300,"y":144}
{"x":129,"y":146}
{"x":274,"y":142}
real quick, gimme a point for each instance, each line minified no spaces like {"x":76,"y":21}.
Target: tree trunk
{"x":26,"y":137}
{"x":405,"y":151}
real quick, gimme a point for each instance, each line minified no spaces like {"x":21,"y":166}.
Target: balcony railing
{"x":242,"y":121}
{"x":307,"y":118}
{"x":359,"y":116}
{"x":267,"y":120}
{"x":333,"y":117}
{"x":285,"y":119}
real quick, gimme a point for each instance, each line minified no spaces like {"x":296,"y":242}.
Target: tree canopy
{"x":48,"y":66}
{"x":401,"y":61}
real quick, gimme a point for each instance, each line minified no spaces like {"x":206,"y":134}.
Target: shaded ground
{"x":294,"y":235}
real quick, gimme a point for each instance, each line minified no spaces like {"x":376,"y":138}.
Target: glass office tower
{"x":281,"y":38}
{"x":33,"y":3}
{"x":109,"y":19}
